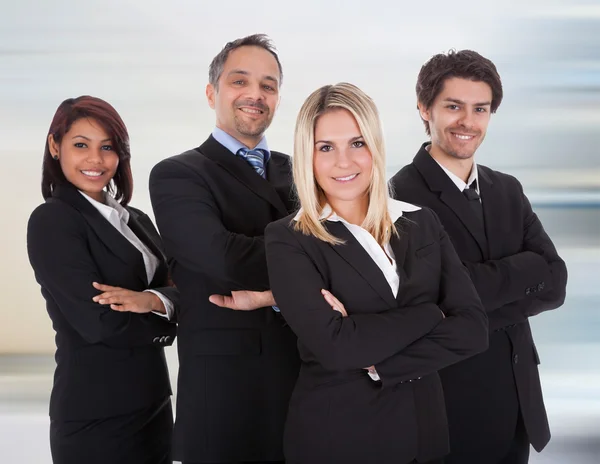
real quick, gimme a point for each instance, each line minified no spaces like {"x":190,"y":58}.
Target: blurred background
{"x":150,"y":60}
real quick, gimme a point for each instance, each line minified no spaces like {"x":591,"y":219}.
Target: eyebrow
{"x":87,"y":138}
{"x":460,"y":102}
{"x":246,"y":73}
{"x":353,"y":139}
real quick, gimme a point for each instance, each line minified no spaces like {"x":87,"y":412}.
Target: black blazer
{"x":108,"y":363}
{"x":337,"y":414}
{"x":517,"y":273}
{"x":236,"y":368}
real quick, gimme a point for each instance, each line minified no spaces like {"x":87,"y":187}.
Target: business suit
{"x":236,"y":368}
{"x":111,"y":370}
{"x":337,"y":413}
{"x":517,"y":273}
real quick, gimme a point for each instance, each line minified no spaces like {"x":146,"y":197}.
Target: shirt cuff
{"x":169,"y":307}
{"x":373,"y":374}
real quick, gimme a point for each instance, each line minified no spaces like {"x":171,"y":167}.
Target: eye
{"x":358,"y":144}
{"x":452,"y":107}
{"x":481,"y":110}
{"x":268,"y":88}
{"x":325,"y":148}
{"x":107,"y":147}
{"x":80,"y":145}
{"x":238,"y":82}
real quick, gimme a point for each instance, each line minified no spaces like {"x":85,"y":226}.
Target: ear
{"x":424,"y":112}
{"x":52,"y":145}
{"x":210,"y":95}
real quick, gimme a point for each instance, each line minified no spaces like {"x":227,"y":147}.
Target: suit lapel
{"x":143,"y":233}
{"x":279,"y":174}
{"x":399,"y":244}
{"x":355,"y":255}
{"x":493,"y":206}
{"x":111,"y":237}
{"x":438,"y":181}
{"x":242,"y":171}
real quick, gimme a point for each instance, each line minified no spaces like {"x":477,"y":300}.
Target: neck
{"x":249,"y":141}
{"x":98,"y":196}
{"x":354,"y":211}
{"x":457,"y":166}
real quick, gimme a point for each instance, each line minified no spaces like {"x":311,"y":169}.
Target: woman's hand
{"x":121,"y":299}
{"x":335,"y":304}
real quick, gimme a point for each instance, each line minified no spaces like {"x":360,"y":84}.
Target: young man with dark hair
{"x":494,"y":400}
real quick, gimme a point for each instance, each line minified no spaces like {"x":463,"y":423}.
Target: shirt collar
{"x":457,"y":180}
{"x":234,"y":145}
{"x":396,"y":209}
{"x":109,"y":208}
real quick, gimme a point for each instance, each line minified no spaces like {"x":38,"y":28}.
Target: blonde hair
{"x":312,"y":198}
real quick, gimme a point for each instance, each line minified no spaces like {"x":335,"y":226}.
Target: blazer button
{"x":516,"y":359}
{"x":156,"y":340}
{"x":167,"y":339}
{"x":541,"y":286}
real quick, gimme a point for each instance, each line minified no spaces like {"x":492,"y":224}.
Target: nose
{"x":342,"y":159}
{"x":95,"y":156}
{"x":256,"y":92}
{"x":467,"y":120}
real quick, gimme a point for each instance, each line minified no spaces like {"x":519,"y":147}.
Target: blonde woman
{"x":374,"y":291}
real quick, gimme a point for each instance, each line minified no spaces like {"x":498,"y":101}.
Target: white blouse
{"x":118,"y":217}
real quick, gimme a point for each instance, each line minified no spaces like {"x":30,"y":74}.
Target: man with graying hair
{"x":238,"y":361}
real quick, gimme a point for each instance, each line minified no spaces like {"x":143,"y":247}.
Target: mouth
{"x":463,"y":137}
{"x":251,"y":110}
{"x":349,"y":178}
{"x":92,"y":174}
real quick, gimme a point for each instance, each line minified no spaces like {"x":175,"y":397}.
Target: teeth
{"x":92,"y":173}
{"x":342,"y":179}
{"x":464,"y":137}
{"x":251,"y":111}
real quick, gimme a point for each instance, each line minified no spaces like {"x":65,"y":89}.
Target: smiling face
{"x":247,"y":94}
{"x":86,"y":157}
{"x":342,"y":161}
{"x":458,"y":118}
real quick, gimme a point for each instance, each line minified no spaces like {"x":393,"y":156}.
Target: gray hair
{"x":255,"y":40}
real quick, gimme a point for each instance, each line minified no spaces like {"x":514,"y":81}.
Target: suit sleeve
{"x":462,"y":334}
{"x":339,"y":343}
{"x":536,"y":273}
{"x":58,"y":252}
{"x":194,"y":235}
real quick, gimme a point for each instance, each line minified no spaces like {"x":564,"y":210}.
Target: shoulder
{"x":499,"y":177}
{"x":283,"y":226}
{"x":55,"y":212}
{"x":422,"y":222}
{"x":182,"y":161}
{"x":56,"y":224}
{"x":408,"y":174}
{"x":135,"y":211}
{"x":281,"y":157}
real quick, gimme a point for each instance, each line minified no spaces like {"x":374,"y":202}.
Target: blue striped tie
{"x":256,"y":158}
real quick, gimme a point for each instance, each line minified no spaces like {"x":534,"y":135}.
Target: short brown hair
{"x":465,"y":64}
{"x":255,"y":40}
{"x":70,"y":111}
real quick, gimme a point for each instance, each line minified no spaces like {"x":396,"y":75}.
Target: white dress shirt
{"x":460,"y":184}
{"x":118,"y":217}
{"x":385,"y":260}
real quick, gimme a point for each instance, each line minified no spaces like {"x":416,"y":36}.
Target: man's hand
{"x":244,"y":300}
{"x":121,"y":299}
